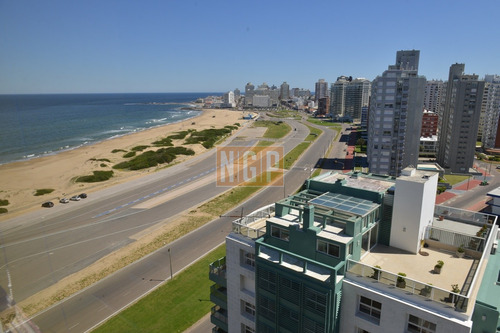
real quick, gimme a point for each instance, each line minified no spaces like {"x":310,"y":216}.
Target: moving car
{"x":75,"y":198}
{"x":83,"y":196}
{"x":48,"y":204}
{"x":64,"y":200}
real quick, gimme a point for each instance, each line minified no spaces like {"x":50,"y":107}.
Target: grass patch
{"x":173,"y":307}
{"x":321,"y":122}
{"x":4,"y":202}
{"x":284,"y":114}
{"x":3,"y":210}
{"x":153,"y":158}
{"x":139,"y":148}
{"x":43,"y":191}
{"x":313,"y":133}
{"x":114,"y":151}
{"x":454,"y":179}
{"x":294,"y":154}
{"x":316,"y":173}
{"x":180,"y":135}
{"x":103,"y":165}
{"x":98,"y":176}
{"x":129,"y":154}
{"x":264,"y":143}
{"x":99,"y":160}
{"x":275,"y":129}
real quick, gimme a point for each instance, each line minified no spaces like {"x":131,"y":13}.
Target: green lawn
{"x":313,"y":133}
{"x":318,"y":121}
{"x":454,"y":179}
{"x":294,"y":154}
{"x":275,"y":129}
{"x":173,"y":307}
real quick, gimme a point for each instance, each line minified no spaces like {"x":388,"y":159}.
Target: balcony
{"x":218,"y":317}
{"x":217,"y":329}
{"x":218,"y":295}
{"x":217,"y":272}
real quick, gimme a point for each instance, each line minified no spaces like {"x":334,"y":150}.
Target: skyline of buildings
{"x":393,"y":115}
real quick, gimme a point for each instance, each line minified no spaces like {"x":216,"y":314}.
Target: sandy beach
{"x":20,"y":180}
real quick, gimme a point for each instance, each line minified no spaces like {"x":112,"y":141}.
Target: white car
{"x":75,"y":198}
{"x":64,"y":200}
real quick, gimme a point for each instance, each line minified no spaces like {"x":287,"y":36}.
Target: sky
{"x":106,"y":46}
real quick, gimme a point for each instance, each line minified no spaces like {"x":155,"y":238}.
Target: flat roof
{"x":489,"y":292}
{"x":420,"y":267}
{"x":494,"y":193}
{"x":361,"y":181}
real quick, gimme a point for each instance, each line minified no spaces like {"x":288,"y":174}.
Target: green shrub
{"x":237,"y":124}
{"x":118,"y":151}
{"x":3,"y":210}
{"x":165,"y":142}
{"x":43,"y":191}
{"x":4,"y":202}
{"x":179,"y":135}
{"x":99,"y":160}
{"x":103,"y":165}
{"x":139,"y":148}
{"x":153,"y":158}
{"x":98,"y":176}
{"x":129,"y":154}
{"x":208,"y":137}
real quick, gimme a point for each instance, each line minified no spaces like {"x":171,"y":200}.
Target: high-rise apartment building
{"x":284,"y":91}
{"x":321,"y":89}
{"x":348,"y":97}
{"x":458,"y":125}
{"x":433,"y":95}
{"x":395,"y":116}
{"x":357,"y":253}
{"x":491,"y":113}
{"x":249,"y":92}
{"x":429,"y":124}
{"x":337,"y":96}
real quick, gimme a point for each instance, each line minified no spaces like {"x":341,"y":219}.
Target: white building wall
{"x":394,"y":313}
{"x":261,"y":101}
{"x":240,"y":281}
{"x":414,"y":201}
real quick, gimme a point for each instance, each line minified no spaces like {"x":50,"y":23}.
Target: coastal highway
{"x":96,"y":303}
{"x":40,"y":249}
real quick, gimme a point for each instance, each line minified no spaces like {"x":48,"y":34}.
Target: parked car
{"x":48,"y":204}
{"x":83,"y":195}
{"x":75,"y":198}
{"x":64,"y":200}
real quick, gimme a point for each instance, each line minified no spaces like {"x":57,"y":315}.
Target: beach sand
{"x":20,"y":180}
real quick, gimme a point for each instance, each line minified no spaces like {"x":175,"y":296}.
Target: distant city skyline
{"x":194,"y":46}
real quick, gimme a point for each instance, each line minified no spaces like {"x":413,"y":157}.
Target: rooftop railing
{"x":241,"y":225}
{"x":407,"y":285}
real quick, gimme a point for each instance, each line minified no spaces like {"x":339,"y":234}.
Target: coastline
{"x":57,"y":171}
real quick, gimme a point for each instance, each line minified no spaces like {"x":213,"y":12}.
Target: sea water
{"x":38,"y":125}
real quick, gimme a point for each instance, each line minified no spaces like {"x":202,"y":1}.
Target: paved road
{"x":83,"y":311}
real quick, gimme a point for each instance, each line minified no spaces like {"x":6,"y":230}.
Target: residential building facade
{"x":433,"y":95}
{"x":458,"y":125}
{"x":356,"y":253}
{"x":490,"y":113}
{"x":348,"y":97}
{"x":284,"y":91}
{"x":321,"y":90}
{"x":395,"y":116}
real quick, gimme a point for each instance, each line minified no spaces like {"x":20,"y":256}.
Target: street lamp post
{"x":170,"y":259}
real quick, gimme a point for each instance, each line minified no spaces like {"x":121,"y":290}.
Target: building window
{"x":370,"y":307}
{"x":280,"y":233}
{"x":266,"y":280}
{"x":247,"y":258}
{"x":315,"y":301}
{"x":246,"y":329}
{"x":360,"y":330}
{"x":248,"y":308}
{"x":328,"y":248}
{"x":267,"y":308}
{"x":419,"y":325}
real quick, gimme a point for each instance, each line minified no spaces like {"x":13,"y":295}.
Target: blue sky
{"x":62,"y":46}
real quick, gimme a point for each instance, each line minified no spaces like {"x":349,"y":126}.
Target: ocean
{"x":37,"y":125}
